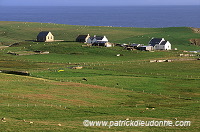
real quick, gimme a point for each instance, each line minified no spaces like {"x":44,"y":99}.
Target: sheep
{"x":147,"y":108}
{"x":31,"y":122}
{"x":59,"y":124}
{"x":3,"y":119}
{"x":153,"y":108}
{"x":84,"y":79}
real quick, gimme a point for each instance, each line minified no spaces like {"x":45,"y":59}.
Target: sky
{"x":96,"y":2}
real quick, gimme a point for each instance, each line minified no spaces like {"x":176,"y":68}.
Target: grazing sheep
{"x":3,"y":119}
{"x":127,"y":119}
{"x":153,"y":108}
{"x":31,"y":122}
{"x":147,"y":108}
{"x":84,"y":79}
{"x":59,"y":124}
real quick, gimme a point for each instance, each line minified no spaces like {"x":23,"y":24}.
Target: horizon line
{"x":90,"y":5}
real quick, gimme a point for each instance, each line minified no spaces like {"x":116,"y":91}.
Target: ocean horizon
{"x":115,"y":16}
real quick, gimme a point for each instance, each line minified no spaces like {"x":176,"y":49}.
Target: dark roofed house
{"x":155,"y":41}
{"x":45,"y":36}
{"x":163,"y":42}
{"x":97,"y":39}
{"x":160,"y":44}
{"x":82,"y":38}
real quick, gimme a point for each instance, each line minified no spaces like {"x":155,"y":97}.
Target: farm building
{"x":146,"y":48}
{"x":82,"y":38}
{"x":160,"y":44}
{"x":97,"y":39}
{"x":135,"y":46}
{"x":45,"y":36}
{"x":104,"y":44}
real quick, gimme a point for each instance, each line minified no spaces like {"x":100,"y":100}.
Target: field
{"x":56,"y":97}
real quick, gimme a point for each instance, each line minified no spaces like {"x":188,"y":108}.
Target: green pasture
{"x":107,"y":88}
{"x":48,"y":103}
{"x":20,"y":31}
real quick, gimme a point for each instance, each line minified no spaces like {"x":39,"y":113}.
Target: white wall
{"x":49,"y":37}
{"x":168,"y":46}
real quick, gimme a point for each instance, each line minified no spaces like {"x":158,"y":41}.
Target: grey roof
{"x":43,"y":34}
{"x":81,"y":36}
{"x":92,"y":38}
{"x":135,"y":44}
{"x":99,"y":37}
{"x":163,"y":42}
{"x":101,"y":41}
{"x":155,"y":41}
{"x":146,"y":46}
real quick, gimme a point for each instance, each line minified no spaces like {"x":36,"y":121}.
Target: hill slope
{"x":19,"y":31}
{"x":56,"y":97}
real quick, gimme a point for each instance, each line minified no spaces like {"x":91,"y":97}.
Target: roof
{"x":101,"y":42}
{"x":92,"y":38}
{"x":155,"y":41}
{"x":81,"y":36}
{"x":163,"y":42}
{"x":43,"y":34}
{"x":99,"y":37}
{"x":134,"y":44}
{"x":146,"y":46}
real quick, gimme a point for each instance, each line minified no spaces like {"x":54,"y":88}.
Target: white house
{"x":97,"y":39}
{"x":160,"y":44}
{"x":45,"y":36}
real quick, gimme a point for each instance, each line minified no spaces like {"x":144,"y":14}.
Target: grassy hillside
{"x":19,"y":31}
{"x":56,"y":98}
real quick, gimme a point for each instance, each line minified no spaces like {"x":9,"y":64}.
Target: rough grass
{"x":50,"y":103}
{"x":116,"y":88}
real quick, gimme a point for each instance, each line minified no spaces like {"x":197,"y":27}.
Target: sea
{"x":116,"y":16}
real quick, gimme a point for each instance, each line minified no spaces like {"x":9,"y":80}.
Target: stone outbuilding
{"x":45,"y":36}
{"x":82,"y":38}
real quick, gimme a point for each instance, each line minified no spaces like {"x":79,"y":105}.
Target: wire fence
{"x":47,"y":103}
{"x":97,"y":66}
